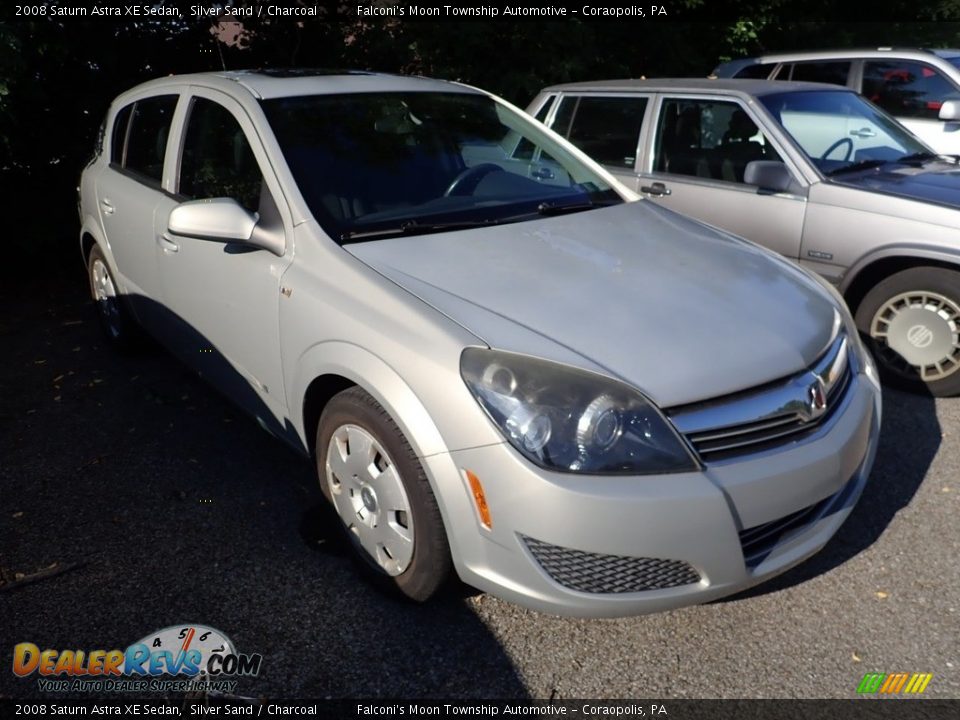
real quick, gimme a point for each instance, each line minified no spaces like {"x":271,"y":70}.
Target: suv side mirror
{"x":768,"y":175}
{"x":950,"y":110}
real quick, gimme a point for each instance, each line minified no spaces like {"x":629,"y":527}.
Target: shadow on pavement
{"x":136,"y":498}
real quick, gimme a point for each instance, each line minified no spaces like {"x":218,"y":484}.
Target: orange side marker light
{"x":479,"y":499}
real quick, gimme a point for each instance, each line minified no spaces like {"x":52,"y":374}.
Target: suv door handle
{"x":657,"y":189}
{"x":108,"y":208}
{"x":167,"y":244}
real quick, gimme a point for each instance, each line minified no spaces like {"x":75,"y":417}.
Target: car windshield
{"x":842,"y":132}
{"x":953,"y":60}
{"x":372,"y":165}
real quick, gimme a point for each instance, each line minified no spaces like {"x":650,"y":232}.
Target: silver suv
{"x":812,"y":171}
{"x":497,"y":364}
{"x":920,"y":88}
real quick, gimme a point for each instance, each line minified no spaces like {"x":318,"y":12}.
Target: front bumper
{"x":734,"y":524}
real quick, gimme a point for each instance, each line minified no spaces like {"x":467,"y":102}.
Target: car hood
{"x":936,"y":181}
{"x":678,"y":310}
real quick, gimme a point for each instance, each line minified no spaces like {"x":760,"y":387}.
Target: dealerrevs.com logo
{"x":179,"y":658}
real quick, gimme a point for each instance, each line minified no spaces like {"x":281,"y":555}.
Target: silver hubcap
{"x":369,"y":497}
{"x":105,"y":295}
{"x":917,"y":332}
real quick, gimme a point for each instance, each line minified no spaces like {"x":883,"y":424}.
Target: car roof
{"x":845,"y":53}
{"x":275,"y":83}
{"x":726,"y":86}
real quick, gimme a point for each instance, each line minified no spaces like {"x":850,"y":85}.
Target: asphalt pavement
{"x":133,"y":497}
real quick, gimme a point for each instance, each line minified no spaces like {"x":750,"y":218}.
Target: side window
{"x":217,"y":159}
{"x":147,"y":136}
{"x":708,"y":139}
{"x":906,"y":89}
{"x":608,"y":128}
{"x":760,"y":71}
{"x":119,"y":139}
{"x":832,"y":72}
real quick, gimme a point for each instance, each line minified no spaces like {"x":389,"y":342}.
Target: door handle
{"x":863,"y":133}
{"x":167,"y":244}
{"x":542,"y":174}
{"x":108,"y":208}
{"x":657,"y":189}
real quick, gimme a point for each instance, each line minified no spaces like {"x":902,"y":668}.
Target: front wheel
{"x":912,"y":323}
{"x":373,"y":479}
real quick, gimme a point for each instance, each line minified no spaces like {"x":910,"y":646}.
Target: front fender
{"x":374,"y":375}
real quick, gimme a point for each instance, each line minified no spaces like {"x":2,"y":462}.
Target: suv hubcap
{"x":369,"y":497}
{"x":917,"y":333}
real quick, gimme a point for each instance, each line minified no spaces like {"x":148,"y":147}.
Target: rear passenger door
{"x":129,"y":193}
{"x":695,"y":155}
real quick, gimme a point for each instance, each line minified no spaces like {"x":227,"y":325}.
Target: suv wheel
{"x":372,"y":477}
{"x":912,"y":321}
{"x":115,"y":320}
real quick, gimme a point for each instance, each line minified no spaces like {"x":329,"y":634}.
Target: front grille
{"x":758,"y":542}
{"x":596,"y":573}
{"x":770,"y":416}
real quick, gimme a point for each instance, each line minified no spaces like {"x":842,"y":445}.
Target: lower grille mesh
{"x":595,"y":573}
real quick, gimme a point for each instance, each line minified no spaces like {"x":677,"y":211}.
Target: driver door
{"x":223,"y":296}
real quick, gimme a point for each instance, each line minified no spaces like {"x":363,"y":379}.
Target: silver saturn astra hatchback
{"x":502,"y":361}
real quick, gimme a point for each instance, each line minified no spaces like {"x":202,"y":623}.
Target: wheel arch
{"x":878,"y":266}
{"x":331,"y":367}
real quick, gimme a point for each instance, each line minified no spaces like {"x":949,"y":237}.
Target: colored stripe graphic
{"x":894,"y":683}
{"x":871,"y":682}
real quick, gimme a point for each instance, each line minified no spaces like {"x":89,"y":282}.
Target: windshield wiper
{"x":857,"y":166}
{"x":918,"y":157}
{"x":413,"y":227}
{"x":548,"y":208}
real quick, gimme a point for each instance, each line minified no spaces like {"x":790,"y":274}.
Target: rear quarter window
{"x":832,"y":72}
{"x":760,"y":71}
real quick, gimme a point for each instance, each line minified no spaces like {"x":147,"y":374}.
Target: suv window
{"x":608,"y":128}
{"x":760,"y":71}
{"x":147,"y":137}
{"x":834,"y":72}
{"x":217,"y":159}
{"x":906,"y":89}
{"x":708,"y":139}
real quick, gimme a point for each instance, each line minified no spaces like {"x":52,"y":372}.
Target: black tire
{"x":943,"y":288}
{"x":430,"y":564}
{"x":118,"y":326}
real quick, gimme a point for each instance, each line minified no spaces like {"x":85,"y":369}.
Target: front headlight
{"x":561,"y":418}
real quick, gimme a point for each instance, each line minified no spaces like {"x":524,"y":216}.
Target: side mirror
{"x":950,"y":110}
{"x":216,"y":219}
{"x":768,"y":175}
